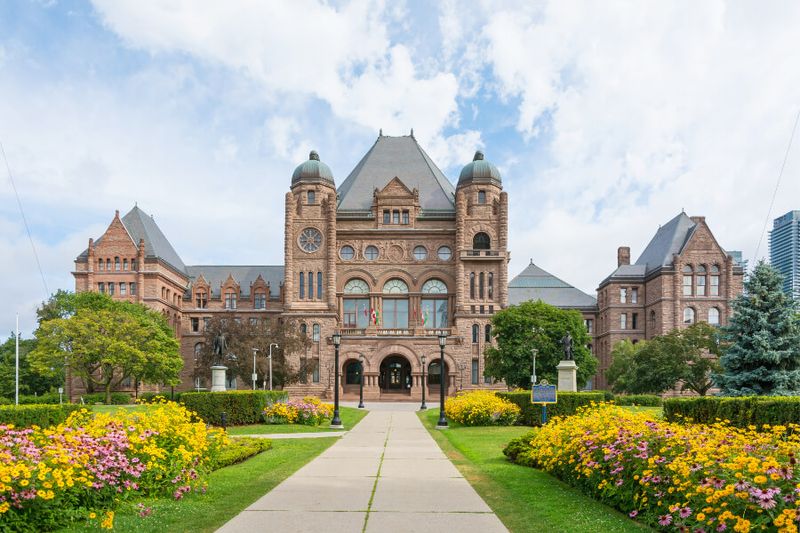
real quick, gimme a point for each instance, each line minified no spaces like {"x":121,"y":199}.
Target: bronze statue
{"x":566,"y":342}
{"x":220,"y":347}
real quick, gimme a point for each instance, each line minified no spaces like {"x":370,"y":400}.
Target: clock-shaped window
{"x":371,"y":253}
{"x":310,"y":240}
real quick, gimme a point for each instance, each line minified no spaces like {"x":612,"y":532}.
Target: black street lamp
{"x":361,"y":382}
{"x":336,"y":422}
{"x":442,"y":423}
{"x":423,"y":406}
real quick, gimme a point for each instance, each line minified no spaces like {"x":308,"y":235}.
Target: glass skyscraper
{"x":784,"y":251}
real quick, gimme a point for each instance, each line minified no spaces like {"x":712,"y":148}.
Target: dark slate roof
{"x":142,"y":226}
{"x":400,"y":157}
{"x":668,"y":241}
{"x":533,"y":283}
{"x":244,"y":275}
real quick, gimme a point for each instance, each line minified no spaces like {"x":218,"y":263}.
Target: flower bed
{"x":674,"y":476}
{"x":481,"y":408}
{"x":309,"y":411}
{"x":83,"y":468}
{"x":568,"y":404}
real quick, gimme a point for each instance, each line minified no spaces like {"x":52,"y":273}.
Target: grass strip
{"x":350,"y":417}
{"x":525,"y":499}
{"x":377,"y":477}
{"x":230,"y":491}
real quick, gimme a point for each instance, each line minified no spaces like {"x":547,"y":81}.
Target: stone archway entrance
{"x":395,"y":375}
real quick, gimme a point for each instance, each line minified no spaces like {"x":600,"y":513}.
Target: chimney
{"x":698,"y":220}
{"x":623,"y":256}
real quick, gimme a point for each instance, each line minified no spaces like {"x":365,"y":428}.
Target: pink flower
{"x":685,"y":512}
{"x":633,"y":513}
{"x":665,"y":520}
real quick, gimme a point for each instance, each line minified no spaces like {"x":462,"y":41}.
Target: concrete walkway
{"x":387,"y":474}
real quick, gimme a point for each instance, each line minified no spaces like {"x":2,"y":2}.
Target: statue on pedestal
{"x":220,"y":347}
{"x":566,"y":342}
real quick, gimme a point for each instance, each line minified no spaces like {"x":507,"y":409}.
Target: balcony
{"x":395,"y":332}
{"x":484,"y":255}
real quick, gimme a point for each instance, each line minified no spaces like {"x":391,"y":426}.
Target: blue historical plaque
{"x":543,"y":394}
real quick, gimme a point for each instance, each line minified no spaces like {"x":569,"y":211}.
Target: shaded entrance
{"x":435,"y":377}
{"x":395,"y":375}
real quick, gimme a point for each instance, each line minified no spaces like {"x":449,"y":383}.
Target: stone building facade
{"x":683,"y":276}
{"x":392,"y":258}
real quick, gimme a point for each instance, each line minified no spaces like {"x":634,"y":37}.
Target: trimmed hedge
{"x":43,"y":415}
{"x":49,"y":397}
{"x":150,"y":396}
{"x":238,"y":450}
{"x":242,"y":407}
{"x":740,"y":411}
{"x":117,"y":398}
{"x":568,"y":403}
{"x":645,"y":400}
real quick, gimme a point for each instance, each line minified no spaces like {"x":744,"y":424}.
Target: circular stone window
{"x":444,"y":253}
{"x":347,"y":253}
{"x":420,"y":253}
{"x":371,"y":253}
{"x":310,"y":240}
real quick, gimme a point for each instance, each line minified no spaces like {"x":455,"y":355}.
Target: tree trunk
{"x":108,"y":393}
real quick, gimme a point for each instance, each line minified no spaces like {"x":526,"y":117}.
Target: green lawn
{"x":230,"y":490}
{"x":350,"y":417}
{"x":524,"y":498}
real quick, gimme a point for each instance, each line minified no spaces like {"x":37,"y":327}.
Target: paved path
{"x":387,"y":474}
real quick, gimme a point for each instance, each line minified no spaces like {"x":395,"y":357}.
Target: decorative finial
{"x":479,"y":157}
{"x":116,"y":213}
{"x":380,"y":132}
{"x":313,"y":156}
{"x":531,"y":260}
{"x":412,"y":133}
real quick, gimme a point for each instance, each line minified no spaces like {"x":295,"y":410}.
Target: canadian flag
{"x":373,"y":316}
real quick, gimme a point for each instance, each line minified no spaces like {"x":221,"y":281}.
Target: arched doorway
{"x":352,"y":376}
{"x":434,"y":377}
{"x":395,"y":375}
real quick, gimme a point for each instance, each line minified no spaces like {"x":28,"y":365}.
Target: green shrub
{"x":238,"y":450}
{"x":49,"y":397}
{"x":241,"y":407}
{"x":518,"y":450}
{"x":150,"y":396}
{"x":645,"y":400}
{"x":43,"y":415}
{"x":740,"y":411}
{"x":568,"y":403}
{"x":117,"y":398}
{"x":5,"y":401}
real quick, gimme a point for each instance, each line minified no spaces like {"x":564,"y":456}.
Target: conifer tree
{"x":763,"y":357}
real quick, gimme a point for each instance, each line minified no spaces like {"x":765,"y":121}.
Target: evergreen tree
{"x":763,"y":357}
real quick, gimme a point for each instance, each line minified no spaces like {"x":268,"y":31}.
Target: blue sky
{"x":606,"y":120}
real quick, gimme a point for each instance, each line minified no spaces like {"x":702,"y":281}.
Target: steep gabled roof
{"x":668,"y":241}
{"x":244,"y":275}
{"x":139,"y":225}
{"x":534,"y":283}
{"x":400,"y":157}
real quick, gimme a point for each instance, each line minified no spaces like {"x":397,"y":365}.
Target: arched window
{"x":472,"y":285}
{"x":480,"y":285}
{"x":434,"y":286}
{"x":688,"y":315}
{"x":302,"y":285}
{"x":303,"y":330}
{"x":395,"y":310}
{"x":435,"y":373}
{"x":714,"y":281}
{"x":310,"y":285}
{"x":124,"y":264}
{"x":652,"y":319}
{"x":108,"y":264}
{"x":700,"y":281}
{"x":488,"y":333}
{"x":481,"y":241}
{"x":315,"y":330}
{"x":356,"y":286}
{"x":319,"y":285}
{"x":713,"y":316}
{"x":198,"y":348}
{"x":476,"y":333}
{"x":687,"y":280}
{"x":352,"y":373}
{"x":356,"y":310}
{"x":312,"y":197}
{"x":491,"y":284}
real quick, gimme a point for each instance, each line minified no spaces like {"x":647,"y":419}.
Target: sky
{"x":606,"y":119}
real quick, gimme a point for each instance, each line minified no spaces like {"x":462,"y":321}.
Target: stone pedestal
{"x":567,"y":376}
{"x":218,"y":378}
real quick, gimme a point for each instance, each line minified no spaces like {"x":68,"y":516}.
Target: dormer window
{"x":201,"y":299}
{"x":312,"y":197}
{"x":395,"y":217}
{"x":260,"y":300}
{"x":405,"y":217}
{"x":230,"y":299}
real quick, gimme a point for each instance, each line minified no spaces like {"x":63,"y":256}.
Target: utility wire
{"x":775,"y":192}
{"x":25,"y":221}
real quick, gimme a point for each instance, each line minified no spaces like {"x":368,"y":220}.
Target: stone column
{"x":288,"y":276}
{"x":502,"y":285}
{"x":218,"y":378}
{"x":567,"y":376}
{"x":461,"y":215}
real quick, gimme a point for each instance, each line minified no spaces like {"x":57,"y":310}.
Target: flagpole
{"x":16,"y":365}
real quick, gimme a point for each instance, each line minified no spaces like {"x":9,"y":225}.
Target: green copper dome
{"x":479,"y":170}
{"x":312,"y":171}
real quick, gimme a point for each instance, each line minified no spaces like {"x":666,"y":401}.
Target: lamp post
{"x":361,"y":381}
{"x":442,"y":423}
{"x":533,"y":376}
{"x":254,"y":376}
{"x":423,"y":406}
{"x":270,"y":362}
{"x":336,"y":422}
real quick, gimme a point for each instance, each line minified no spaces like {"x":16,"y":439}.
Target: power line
{"x":775,"y":192}
{"x":25,"y":221}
